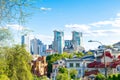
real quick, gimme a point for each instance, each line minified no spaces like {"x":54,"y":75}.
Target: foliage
{"x":14,"y":10}
{"x":118,"y":76}
{"x":68,"y":73}
{"x":16,"y":63}
{"x":63,"y":70}
{"x":52,"y":58}
{"x":89,"y":53}
{"x":73,"y":73}
{"x":79,"y":55}
{"x":4,"y":77}
{"x":62,"y":76}
{"x":114,"y":77}
{"x":100,"y":77}
{"x":40,"y":78}
{"x":5,"y":36}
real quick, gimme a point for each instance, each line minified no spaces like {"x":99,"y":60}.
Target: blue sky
{"x":97,"y":19}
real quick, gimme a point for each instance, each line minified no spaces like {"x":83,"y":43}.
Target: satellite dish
{"x":61,"y":62}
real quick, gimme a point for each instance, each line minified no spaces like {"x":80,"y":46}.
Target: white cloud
{"x":118,"y":14}
{"x":80,"y":27}
{"x":101,"y":23}
{"x":115,"y":22}
{"x":16,"y":27}
{"x":45,"y":38}
{"x":45,"y":9}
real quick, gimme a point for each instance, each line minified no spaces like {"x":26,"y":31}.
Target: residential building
{"x":117,"y":46}
{"x":58,"y":43}
{"x":49,"y":52}
{"x":79,"y":64}
{"x":39,"y":65}
{"x":106,"y":60}
{"x":55,"y":67}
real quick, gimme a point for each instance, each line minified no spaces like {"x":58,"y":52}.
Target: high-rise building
{"x":77,"y":39}
{"x":25,"y":40}
{"x":58,"y":41}
{"x":68,"y":44}
{"x":33,"y":45}
{"x":37,"y":47}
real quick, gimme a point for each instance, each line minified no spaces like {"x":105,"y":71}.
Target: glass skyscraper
{"x":58,"y":41}
{"x":77,"y":39}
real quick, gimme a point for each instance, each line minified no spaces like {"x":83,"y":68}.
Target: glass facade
{"x":58,"y":41}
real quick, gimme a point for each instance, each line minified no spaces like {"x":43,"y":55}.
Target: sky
{"x":97,"y":19}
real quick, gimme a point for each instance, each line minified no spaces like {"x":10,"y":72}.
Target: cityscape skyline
{"x":97,"y":20}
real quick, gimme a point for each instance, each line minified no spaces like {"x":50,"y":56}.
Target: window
{"x":77,"y":65}
{"x":71,"y":64}
{"x":79,"y":72}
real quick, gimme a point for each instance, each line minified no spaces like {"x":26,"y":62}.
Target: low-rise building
{"x":39,"y":65}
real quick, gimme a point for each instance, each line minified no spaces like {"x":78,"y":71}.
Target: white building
{"x":79,"y":64}
{"x":25,"y":40}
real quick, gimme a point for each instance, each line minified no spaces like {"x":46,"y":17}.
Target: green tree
{"x":5,"y":37}
{"x":63,"y":70}
{"x":118,"y":76}
{"x":114,"y":77}
{"x":15,"y":10}
{"x":16,"y":63}
{"x":79,"y":54}
{"x":89,"y":53}
{"x":62,"y":76}
{"x":73,"y":73}
{"x":4,"y":77}
{"x":100,"y":77}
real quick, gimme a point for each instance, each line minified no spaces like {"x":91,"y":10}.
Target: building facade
{"x":39,"y":65}
{"x":37,"y":47}
{"x":58,"y":43}
{"x":33,"y":45}
{"x":25,"y":40}
{"x":77,"y":40}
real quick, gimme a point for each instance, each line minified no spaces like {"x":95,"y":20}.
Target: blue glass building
{"x":58,"y":41}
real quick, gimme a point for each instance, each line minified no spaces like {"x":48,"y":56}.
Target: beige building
{"x":39,"y":66}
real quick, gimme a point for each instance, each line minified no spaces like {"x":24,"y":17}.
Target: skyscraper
{"x":37,"y":47}
{"x":76,"y":39}
{"x":58,"y":41}
{"x":25,"y":40}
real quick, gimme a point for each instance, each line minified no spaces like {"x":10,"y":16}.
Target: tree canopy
{"x":14,"y":10}
{"x":14,"y":63}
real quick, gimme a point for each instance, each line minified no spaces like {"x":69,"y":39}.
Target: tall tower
{"x":25,"y":40}
{"x":37,"y":47}
{"x":58,"y":41}
{"x":77,"y":39}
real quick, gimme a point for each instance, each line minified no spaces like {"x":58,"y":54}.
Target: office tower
{"x":25,"y":40}
{"x":37,"y":47}
{"x":76,"y":39}
{"x":58,"y":41}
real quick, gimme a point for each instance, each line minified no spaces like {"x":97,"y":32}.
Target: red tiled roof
{"x":91,"y":72}
{"x":93,"y":64}
{"x":118,"y":57}
{"x":108,"y":54}
{"x":115,"y":63}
